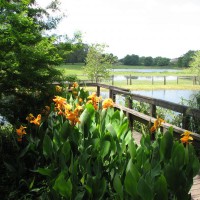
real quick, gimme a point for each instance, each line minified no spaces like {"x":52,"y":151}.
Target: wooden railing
{"x":186,"y":111}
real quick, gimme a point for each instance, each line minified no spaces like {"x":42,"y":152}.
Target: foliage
{"x":184,"y":61}
{"x":83,"y":149}
{"x":145,"y":61}
{"x":98,"y":63}
{"x":195,"y":64}
{"x":26,"y":56}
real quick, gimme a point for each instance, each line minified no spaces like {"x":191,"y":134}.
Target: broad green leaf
{"x":132,"y":149}
{"x":118,"y":186}
{"x":65,"y":130}
{"x":144,"y":190}
{"x":62,"y":186}
{"x":45,"y":171}
{"x":66,"y":150}
{"x":178,"y":156}
{"x":132,"y":168}
{"x":111,"y":130}
{"x":131,"y":185}
{"x":161,"y":188}
{"x":123,"y":129}
{"x":166,"y":145}
{"x":105,"y":148}
{"x":47,"y":146}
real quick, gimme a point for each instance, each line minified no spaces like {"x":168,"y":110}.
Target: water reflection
{"x":146,"y":70}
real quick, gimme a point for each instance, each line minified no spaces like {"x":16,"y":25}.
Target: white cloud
{"x":144,"y":27}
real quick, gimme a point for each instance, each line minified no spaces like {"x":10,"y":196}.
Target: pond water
{"x":175,"y":96}
{"x":146,"y":78}
{"x":146,"y":70}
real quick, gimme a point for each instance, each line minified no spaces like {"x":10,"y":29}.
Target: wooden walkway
{"x":195,"y":190}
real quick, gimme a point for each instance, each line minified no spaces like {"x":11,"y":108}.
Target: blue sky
{"x":167,"y":28}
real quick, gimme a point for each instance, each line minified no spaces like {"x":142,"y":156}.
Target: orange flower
{"x":94,"y":100}
{"x":73,"y":117}
{"x":36,"y":121}
{"x":58,"y":88}
{"x":30,"y":117}
{"x":60,"y":103}
{"x":186,"y":137}
{"x":75,"y":85}
{"x":156,"y":125}
{"x":80,"y":100}
{"x":20,"y":132}
{"x":107,"y":103}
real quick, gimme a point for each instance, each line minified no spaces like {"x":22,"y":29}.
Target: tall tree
{"x":27,"y":56}
{"x":195,"y":64}
{"x":148,"y":61}
{"x":98,"y":63}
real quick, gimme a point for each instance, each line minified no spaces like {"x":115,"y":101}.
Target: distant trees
{"x":184,"y":61}
{"x":98,"y":62}
{"x":145,"y":61}
{"x":195,"y":64}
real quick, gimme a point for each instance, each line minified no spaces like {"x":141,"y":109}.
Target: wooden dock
{"x":195,"y":190}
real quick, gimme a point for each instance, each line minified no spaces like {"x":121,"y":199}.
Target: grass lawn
{"x":77,"y":69}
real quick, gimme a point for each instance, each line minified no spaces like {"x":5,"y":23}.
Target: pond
{"x":146,"y":70}
{"x":147,"y":78}
{"x":175,"y":96}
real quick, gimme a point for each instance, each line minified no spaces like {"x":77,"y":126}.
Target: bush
{"x":83,"y":149}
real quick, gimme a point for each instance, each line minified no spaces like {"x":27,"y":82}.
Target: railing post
{"x":152,"y":81}
{"x":130,"y":116}
{"x":153,"y":110}
{"x":127,"y":79}
{"x":177,"y":80}
{"x":130,"y":80}
{"x":186,"y":121}
{"x":112,"y":79}
{"x":110,"y":93}
{"x":164,"y":80}
{"x":98,"y":90}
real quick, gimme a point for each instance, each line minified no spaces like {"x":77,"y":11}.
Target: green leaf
{"x":178,"y":156}
{"x":118,"y":186}
{"x":132,"y":168}
{"x":47,"y":146}
{"x":24,"y":151}
{"x":111,"y":130}
{"x":132,"y":149}
{"x":166,"y":145}
{"x":144,"y":190}
{"x":105,"y":147}
{"x":66,"y":150}
{"x":65,"y":130}
{"x":161,"y":189}
{"x":45,"y":171}
{"x":62,"y":186}
{"x":131,"y":185}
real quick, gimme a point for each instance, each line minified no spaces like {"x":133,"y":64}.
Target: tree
{"x":98,"y":63}
{"x":184,"y":61}
{"x":195,"y":64}
{"x":131,"y":60}
{"x":148,"y":61}
{"x":161,"y":61}
{"x":27,"y":56}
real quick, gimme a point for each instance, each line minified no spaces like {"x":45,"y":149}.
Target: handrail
{"x":153,"y":102}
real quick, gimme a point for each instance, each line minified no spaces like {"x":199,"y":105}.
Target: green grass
{"x":77,"y":69}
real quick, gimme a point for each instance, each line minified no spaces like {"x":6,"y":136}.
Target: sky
{"x":167,"y":28}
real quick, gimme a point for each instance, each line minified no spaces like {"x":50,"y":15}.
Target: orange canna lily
{"x":58,"y":88}
{"x":20,"y":132}
{"x":186,"y":137}
{"x":75,"y":85}
{"x":30,"y":117}
{"x":156,"y":124}
{"x":107,"y":103}
{"x":94,"y":100}
{"x":36,"y":121}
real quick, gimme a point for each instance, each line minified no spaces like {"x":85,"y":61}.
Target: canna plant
{"x":85,"y":150}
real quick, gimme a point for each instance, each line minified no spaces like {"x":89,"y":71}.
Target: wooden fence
{"x":186,"y":111}
{"x":129,"y":79}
